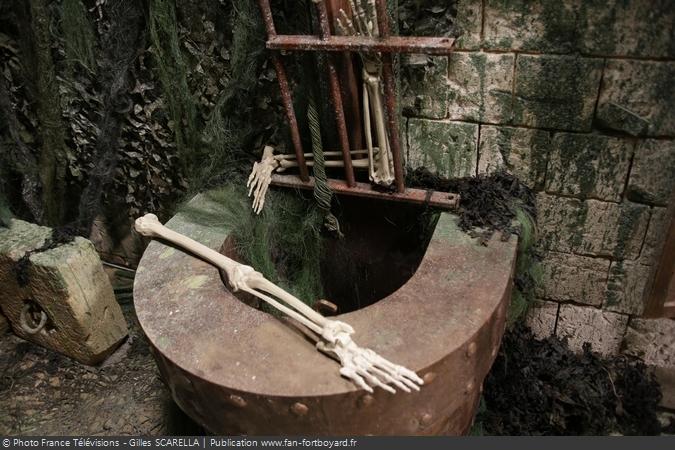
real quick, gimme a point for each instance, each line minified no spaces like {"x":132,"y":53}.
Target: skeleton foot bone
{"x":362,"y":366}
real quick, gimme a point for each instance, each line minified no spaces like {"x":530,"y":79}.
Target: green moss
{"x":283,"y":243}
{"x":78,"y":35}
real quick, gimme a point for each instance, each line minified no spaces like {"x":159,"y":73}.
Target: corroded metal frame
{"x":386,"y":44}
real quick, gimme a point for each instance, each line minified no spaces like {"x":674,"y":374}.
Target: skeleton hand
{"x":260,"y":178}
{"x":363,"y":366}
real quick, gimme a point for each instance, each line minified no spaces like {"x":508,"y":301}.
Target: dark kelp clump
{"x":541,"y":387}
{"x":490,"y":202}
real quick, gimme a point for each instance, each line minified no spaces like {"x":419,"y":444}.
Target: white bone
{"x":261,"y":174}
{"x":364,"y":22}
{"x":362,"y":366}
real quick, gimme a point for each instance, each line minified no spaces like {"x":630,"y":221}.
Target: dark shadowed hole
{"x":383,"y":245}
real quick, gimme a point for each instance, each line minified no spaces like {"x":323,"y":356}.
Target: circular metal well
{"x":237,"y":370}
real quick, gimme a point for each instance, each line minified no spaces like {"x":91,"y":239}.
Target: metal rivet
{"x":471,"y":350}
{"x":366,"y":400}
{"x":426,"y":419}
{"x":469,"y":387}
{"x":299,"y":409}
{"x":429,"y":377}
{"x":237,"y":401}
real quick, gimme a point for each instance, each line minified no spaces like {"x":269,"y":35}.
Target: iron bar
{"x":336,"y":95}
{"x":391,"y":44}
{"x":285,"y":90}
{"x":266,"y":12}
{"x":437,"y":199}
{"x":390,"y":97}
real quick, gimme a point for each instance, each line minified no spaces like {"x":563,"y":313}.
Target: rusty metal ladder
{"x":386,"y":44}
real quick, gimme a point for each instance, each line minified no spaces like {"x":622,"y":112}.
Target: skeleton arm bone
{"x":363,"y":366}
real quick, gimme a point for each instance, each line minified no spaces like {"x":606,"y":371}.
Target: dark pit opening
{"x":383,"y":245}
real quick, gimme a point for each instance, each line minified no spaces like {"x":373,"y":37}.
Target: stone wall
{"x":576,"y":98}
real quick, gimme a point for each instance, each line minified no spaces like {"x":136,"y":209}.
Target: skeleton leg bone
{"x":382,"y":171}
{"x":362,"y":366}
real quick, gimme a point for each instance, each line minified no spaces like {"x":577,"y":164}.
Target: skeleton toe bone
{"x":362,"y":366}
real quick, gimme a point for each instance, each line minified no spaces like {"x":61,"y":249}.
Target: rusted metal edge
{"x":287,"y":101}
{"x":336,"y":96}
{"x":437,"y":199}
{"x":391,"y":44}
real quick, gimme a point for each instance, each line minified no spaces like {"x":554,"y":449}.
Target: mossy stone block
{"x":481,"y":86}
{"x":469,"y":22}
{"x":652,"y":178}
{"x":591,"y":227}
{"x":645,"y":88}
{"x":557,"y":92}
{"x":521,"y":151}
{"x":68,"y":284}
{"x":659,"y":223}
{"x":541,"y":26}
{"x":588,"y":166}
{"x":444,"y":147}
{"x":617,"y":118}
{"x":626,"y":286}
{"x":424,"y":86}
{"x":573,"y":278}
{"x":642,"y":28}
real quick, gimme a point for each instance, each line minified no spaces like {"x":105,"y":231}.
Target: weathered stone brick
{"x":543,"y":25}
{"x":604,"y":330}
{"x":424,"y":86}
{"x":573,"y":278}
{"x":588,"y":166}
{"x":652,"y":340}
{"x":541,"y":318}
{"x":626,"y":287}
{"x":627,"y":28}
{"x":556,"y":91}
{"x":656,"y":236}
{"x":591,"y":227}
{"x":480,"y":86}
{"x":645,"y":89}
{"x":469,"y":22}
{"x":521,"y":151}
{"x":446,"y":148}
{"x":652,"y":177}
{"x":68,"y":283}
{"x":641,"y":28}
{"x":616,"y":117}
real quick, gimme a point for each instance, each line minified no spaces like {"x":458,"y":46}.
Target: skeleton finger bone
{"x":363,"y":367}
{"x":261,"y":174}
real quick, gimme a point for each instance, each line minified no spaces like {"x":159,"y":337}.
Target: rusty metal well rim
{"x":335,"y":388}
